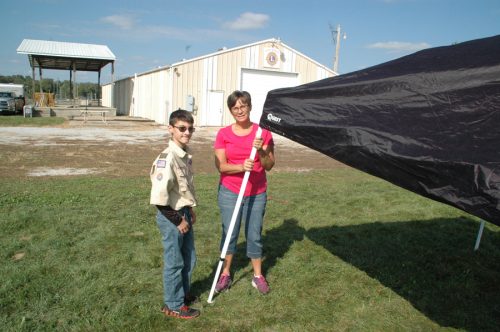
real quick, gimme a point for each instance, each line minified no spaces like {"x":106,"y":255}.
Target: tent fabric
{"x":428,"y":122}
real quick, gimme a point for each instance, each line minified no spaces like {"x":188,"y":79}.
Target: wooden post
{"x":33,"y":83}
{"x":113,"y":84}
{"x":99,"y":92}
{"x":71,"y":84}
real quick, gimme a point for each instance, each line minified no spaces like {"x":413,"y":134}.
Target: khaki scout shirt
{"x":172,"y":178}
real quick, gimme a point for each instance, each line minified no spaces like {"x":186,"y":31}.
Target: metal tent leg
{"x":479,"y":234}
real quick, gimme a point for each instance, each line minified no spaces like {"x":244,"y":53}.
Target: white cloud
{"x":125,"y":22}
{"x":395,"y":46}
{"x":248,"y":21}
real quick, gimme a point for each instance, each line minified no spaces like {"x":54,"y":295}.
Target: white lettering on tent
{"x":273,"y":118}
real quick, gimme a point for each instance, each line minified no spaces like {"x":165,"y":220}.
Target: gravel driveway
{"x":121,"y":148}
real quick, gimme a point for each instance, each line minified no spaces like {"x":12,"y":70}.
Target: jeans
{"x":252,"y":210}
{"x":179,"y":260}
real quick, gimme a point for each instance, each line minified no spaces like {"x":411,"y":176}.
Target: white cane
{"x":233,"y":221}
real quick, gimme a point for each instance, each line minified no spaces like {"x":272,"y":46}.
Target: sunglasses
{"x":183,"y":129}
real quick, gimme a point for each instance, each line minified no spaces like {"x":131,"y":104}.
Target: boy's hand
{"x":183,"y":226}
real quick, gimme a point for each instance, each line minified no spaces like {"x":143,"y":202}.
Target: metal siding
{"x":106,"y":95}
{"x":287,"y":64}
{"x":213,"y":85}
{"x":197,"y":90}
{"x":149,"y":93}
{"x":187,"y":82}
{"x":133,"y":104}
{"x":209,"y":83}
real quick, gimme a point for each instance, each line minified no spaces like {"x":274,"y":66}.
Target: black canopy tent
{"x":427,"y":122}
{"x":67,"y":56}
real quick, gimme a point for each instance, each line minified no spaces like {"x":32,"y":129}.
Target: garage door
{"x":259,"y":82}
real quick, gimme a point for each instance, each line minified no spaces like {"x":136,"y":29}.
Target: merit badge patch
{"x":159,"y":176}
{"x":161,"y":163}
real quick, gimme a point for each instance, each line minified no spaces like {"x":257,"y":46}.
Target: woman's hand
{"x":258,"y":142}
{"x":248,"y":165}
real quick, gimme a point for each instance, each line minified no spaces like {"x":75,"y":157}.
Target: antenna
{"x":336,"y":41}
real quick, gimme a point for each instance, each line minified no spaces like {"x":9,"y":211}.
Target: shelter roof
{"x":63,"y":55}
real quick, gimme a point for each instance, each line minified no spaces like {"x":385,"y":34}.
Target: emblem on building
{"x":272,"y":57}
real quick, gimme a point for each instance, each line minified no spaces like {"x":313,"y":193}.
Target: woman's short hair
{"x":243,"y":95}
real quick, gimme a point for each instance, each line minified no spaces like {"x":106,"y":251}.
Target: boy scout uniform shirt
{"x":172,"y":178}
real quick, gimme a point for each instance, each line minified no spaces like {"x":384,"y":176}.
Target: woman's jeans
{"x":252,"y":211}
{"x":179,"y":260}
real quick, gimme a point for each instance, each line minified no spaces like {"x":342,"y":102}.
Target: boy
{"x":173,"y":193}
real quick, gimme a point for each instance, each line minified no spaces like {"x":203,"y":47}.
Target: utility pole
{"x":336,"y":40}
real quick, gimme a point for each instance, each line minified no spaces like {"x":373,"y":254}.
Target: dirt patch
{"x":122,"y":148}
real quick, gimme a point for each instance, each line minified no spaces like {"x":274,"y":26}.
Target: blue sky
{"x":150,"y":33}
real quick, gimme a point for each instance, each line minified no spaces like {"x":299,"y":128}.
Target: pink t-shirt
{"x":238,"y":148}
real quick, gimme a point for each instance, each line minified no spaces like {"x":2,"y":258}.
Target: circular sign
{"x":272,"y":58}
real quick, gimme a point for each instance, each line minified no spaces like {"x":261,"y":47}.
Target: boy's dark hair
{"x":180,"y":115}
{"x":243,"y":95}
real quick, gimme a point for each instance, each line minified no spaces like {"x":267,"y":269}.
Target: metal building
{"x":202,"y":84}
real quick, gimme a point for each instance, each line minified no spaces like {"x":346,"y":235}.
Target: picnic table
{"x":87,"y":113}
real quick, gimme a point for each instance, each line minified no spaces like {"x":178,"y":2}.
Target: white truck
{"x":11,"y":98}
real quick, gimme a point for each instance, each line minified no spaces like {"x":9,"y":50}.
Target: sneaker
{"x":224,"y":283}
{"x":261,"y":284}
{"x":184,"y":312}
{"x":190,"y":299}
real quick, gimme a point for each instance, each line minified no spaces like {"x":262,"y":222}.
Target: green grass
{"x":19,"y":120}
{"x":343,"y":252}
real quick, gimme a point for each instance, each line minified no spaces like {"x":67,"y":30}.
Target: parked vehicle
{"x":8,"y":91}
{"x":7,"y":103}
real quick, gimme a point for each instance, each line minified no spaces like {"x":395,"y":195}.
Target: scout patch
{"x":159,"y":176}
{"x":161,"y":163}
{"x":163,"y":155}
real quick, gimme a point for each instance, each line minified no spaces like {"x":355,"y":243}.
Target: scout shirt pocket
{"x":182,"y":180}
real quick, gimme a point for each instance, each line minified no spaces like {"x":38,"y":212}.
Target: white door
{"x":215,"y":108}
{"x":259,"y":82}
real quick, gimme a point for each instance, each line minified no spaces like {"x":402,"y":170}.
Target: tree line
{"x":61,"y":89}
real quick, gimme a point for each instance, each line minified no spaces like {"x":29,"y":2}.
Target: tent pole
{"x":231,"y":224}
{"x":479,"y":235}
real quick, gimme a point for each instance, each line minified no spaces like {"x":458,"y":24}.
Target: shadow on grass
{"x":431,"y":263}
{"x":277,"y":242}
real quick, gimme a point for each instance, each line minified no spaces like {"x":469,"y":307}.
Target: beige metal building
{"x":202,"y":84}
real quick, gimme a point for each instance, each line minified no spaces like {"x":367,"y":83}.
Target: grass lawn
{"x":19,"y":120}
{"x":344,"y":251}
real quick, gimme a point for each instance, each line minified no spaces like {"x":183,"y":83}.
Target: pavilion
{"x":43,"y":54}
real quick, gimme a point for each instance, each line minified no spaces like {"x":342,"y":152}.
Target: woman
{"x":233,"y":145}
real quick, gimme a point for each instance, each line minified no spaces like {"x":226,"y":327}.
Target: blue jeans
{"x":179,"y":260}
{"x":252,"y":210}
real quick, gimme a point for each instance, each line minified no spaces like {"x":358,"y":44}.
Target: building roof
{"x":62,"y":55}
{"x":226,"y":50}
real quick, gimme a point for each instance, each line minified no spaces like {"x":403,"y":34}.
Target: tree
{"x":61,"y":89}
